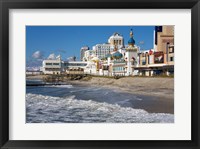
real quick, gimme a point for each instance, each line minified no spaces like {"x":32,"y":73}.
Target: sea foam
{"x":47,"y":109}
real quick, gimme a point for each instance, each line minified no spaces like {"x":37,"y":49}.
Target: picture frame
{"x":5,"y":143}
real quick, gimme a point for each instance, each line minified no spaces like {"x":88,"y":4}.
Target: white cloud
{"x":51,"y":56}
{"x":71,"y":58}
{"x":37,"y":55}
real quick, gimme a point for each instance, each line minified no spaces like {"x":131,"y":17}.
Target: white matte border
{"x":19,"y":130}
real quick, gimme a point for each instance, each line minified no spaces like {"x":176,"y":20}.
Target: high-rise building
{"x":163,"y":37}
{"x":101,"y":50}
{"x":116,"y":39}
{"x":82,"y":51}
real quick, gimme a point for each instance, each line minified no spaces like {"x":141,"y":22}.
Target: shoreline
{"x":161,"y":87}
{"x":160,"y":91}
{"x":157,"y":93}
{"x":148,"y":86}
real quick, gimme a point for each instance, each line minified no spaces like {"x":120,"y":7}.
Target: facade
{"x":164,"y":36}
{"x":82,"y":52}
{"x":116,"y":40}
{"x":155,"y":63}
{"x":89,"y":54}
{"x":74,"y":65}
{"x":115,"y":59}
{"x":131,"y":55}
{"x":104,"y":59}
{"x":92,"y":67}
{"x":57,"y":66}
{"x":52,"y":66}
{"x":161,"y":59}
{"x":120,"y":62}
{"x":101,"y":50}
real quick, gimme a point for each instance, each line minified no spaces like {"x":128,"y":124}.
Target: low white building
{"x":92,"y":66}
{"x":57,"y":66}
{"x":52,"y":66}
{"x":74,"y":65}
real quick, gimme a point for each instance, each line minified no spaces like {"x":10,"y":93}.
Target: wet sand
{"x":157,"y":94}
{"x":161,"y":87}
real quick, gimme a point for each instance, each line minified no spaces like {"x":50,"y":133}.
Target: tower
{"x":82,"y":52}
{"x":131,"y":55}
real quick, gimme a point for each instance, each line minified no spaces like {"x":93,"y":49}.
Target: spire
{"x":131,"y":41}
{"x":131,"y":33}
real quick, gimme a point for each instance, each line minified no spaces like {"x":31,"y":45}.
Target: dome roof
{"x":117,"y":55}
{"x":131,"y":41}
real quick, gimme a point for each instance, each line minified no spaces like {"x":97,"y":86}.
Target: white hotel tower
{"x":101,"y":50}
{"x":116,"y":40}
{"x":131,"y":55}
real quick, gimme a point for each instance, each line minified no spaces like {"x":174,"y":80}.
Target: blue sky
{"x":41,"y":41}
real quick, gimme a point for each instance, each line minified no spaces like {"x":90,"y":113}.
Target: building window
{"x":171,"y":59}
{"x":48,"y":63}
{"x":171,"y":50}
{"x":56,"y":64}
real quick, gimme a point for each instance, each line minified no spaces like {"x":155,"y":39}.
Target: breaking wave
{"x":47,"y":109}
{"x":61,"y":86}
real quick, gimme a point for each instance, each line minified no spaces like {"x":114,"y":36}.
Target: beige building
{"x":161,"y":60}
{"x":164,"y":36}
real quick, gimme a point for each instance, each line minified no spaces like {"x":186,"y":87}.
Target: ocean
{"x":88,"y":104}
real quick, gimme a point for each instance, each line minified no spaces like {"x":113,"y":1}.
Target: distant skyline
{"x":42,"y":41}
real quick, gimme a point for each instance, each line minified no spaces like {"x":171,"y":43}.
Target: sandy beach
{"x":160,"y":91}
{"x":137,"y":85}
{"x":156,"y":86}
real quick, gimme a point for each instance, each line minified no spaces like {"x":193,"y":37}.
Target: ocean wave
{"x":60,"y":86}
{"x":47,"y":109}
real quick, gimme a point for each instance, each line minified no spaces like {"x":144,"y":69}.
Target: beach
{"x":159,"y":90}
{"x":137,"y":85}
{"x":156,"y":86}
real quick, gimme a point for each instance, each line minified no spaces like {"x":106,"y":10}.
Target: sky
{"x":42,"y":41}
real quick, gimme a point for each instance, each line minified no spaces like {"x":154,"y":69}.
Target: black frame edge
{"x":195,"y":77}
{"x":99,"y":4}
{"x":1,"y":112}
{"x":4,"y":63}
